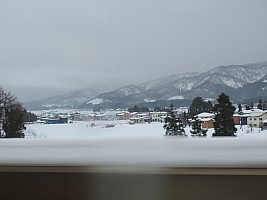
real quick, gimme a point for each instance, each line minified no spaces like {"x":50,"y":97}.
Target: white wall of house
{"x":256,"y":119}
{"x":158,"y":116}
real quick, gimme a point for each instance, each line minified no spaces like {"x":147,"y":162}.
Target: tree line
{"x":223,"y":122}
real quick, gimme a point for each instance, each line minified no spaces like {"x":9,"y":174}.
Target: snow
{"x":175,"y":97}
{"x":97,"y":101}
{"x":205,"y":115}
{"x":149,"y":100}
{"x":79,"y":144}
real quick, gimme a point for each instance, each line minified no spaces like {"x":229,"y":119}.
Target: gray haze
{"x":50,"y":47}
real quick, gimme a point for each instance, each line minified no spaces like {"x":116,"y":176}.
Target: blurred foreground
{"x":132,"y":162}
{"x":70,"y":183}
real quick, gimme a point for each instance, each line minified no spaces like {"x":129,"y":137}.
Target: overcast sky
{"x":50,"y":47}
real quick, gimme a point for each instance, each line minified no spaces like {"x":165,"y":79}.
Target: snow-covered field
{"x":131,"y":145}
{"x":121,"y":130}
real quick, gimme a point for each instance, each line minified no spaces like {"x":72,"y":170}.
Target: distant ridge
{"x":240,"y":82}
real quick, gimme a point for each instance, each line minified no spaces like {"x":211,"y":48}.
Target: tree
{"x":251,"y":105}
{"x":198,"y":105}
{"x":207,"y":106}
{"x":247,"y":107}
{"x":264,"y":105}
{"x":135,"y":108}
{"x":224,"y":122}
{"x":259,"y":106}
{"x":11,"y":116}
{"x":239,"y":108}
{"x":173,"y":124}
{"x":28,"y":116}
{"x":197,"y":129}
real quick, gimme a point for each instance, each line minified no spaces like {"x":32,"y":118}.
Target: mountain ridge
{"x":229,"y":79}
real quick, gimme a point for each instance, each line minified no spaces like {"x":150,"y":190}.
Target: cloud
{"x":74,"y":44}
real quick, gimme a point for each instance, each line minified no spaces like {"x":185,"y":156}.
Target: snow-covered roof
{"x":205,"y":119}
{"x":142,"y":114}
{"x":257,"y":113}
{"x":133,"y":113}
{"x":205,"y":115}
{"x":236,"y":115}
{"x":246,"y":111}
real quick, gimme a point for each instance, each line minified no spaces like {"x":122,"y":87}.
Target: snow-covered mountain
{"x":238,"y":81}
{"x":67,"y":100}
{"x":229,"y":79}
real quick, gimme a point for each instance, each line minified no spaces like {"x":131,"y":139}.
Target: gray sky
{"x":49,"y":47}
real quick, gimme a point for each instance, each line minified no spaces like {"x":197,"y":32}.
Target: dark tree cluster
{"x":29,"y":117}
{"x":11,"y":116}
{"x":224,"y":122}
{"x":198,"y":105}
{"x":197,"y":129}
{"x":160,"y":109}
{"x":262,"y":104}
{"x":173,"y":124}
{"x":138,"y":109}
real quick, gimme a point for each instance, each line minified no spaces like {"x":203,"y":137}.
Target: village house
{"x":237,"y":119}
{"x":123,"y":116}
{"x":206,"y":119}
{"x":256,"y":117}
{"x":244,"y":117}
{"x":139,"y":117}
{"x":158,"y":116}
{"x":264,"y":124}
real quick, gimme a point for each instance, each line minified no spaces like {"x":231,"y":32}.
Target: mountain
{"x":233,"y":80}
{"x":68,"y":100}
{"x":240,"y":82}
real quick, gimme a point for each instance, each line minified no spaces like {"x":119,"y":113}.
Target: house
{"x":207,"y":122}
{"x":158,"y":116}
{"x":123,"y":116}
{"x":77,"y":117}
{"x":237,"y":119}
{"x":206,"y":119}
{"x":53,"y":121}
{"x":256,"y":117}
{"x":264,"y":124}
{"x":63,"y":120}
{"x":244,"y":117}
{"x":139,"y":117}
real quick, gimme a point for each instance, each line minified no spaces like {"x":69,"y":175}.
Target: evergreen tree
{"x":207,"y":106}
{"x":251,"y":105}
{"x":198,"y":105}
{"x":224,"y":122}
{"x":173,"y":124}
{"x":264,"y":105}
{"x":239,"y":108}
{"x":144,"y":109}
{"x":197,"y":129}
{"x":135,"y":108}
{"x":157,"y":109}
{"x":259,"y":106}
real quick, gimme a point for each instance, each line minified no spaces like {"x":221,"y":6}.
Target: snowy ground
{"x":131,"y":145}
{"x":121,"y":130}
